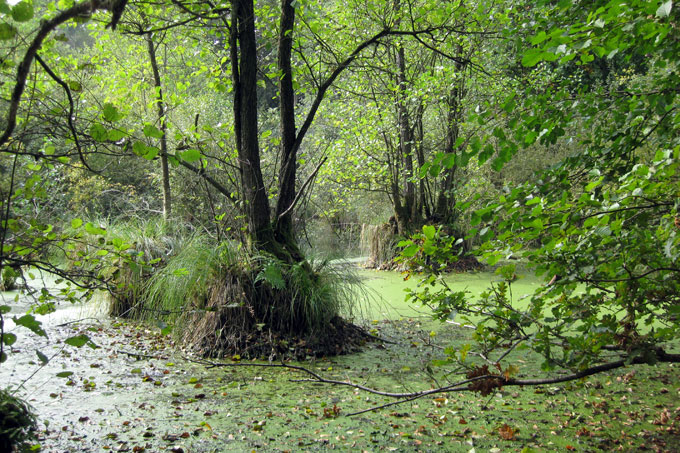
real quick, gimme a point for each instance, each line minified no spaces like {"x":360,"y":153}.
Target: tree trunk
{"x":165,"y":172}
{"x":287,"y":174}
{"x":244,"y":77}
{"x":405,"y":136}
{"x":444,"y":210}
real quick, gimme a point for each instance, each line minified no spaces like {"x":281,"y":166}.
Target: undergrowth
{"x":223,"y":301}
{"x":17,"y":423}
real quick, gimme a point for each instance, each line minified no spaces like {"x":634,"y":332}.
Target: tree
{"x":604,"y":223}
{"x":410,"y":137}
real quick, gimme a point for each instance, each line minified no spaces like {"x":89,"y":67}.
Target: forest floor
{"x":139,"y":391}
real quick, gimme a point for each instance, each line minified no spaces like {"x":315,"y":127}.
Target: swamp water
{"x":138,"y":391}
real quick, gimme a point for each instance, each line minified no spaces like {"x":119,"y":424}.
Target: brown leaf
{"x":663,"y":418}
{"x":507,"y":432}
{"x":583,"y":432}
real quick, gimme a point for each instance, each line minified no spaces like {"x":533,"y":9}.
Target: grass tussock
{"x":154,"y":241}
{"x":17,"y":423}
{"x":277,"y":310}
{"x":223,"y":302}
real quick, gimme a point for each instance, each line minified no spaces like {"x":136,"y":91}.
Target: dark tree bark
{"x":244,"y":77}
{"x":444,"y":209}
{"x":407,"y":214}
{"x":284,"y":215}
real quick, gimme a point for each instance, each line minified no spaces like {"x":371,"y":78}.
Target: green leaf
{"x":532,"y":57}
{"x":99,"y":133}
{"x":116,"y":135}
{"x":76,"y":223}
{"x":110,"y":112}
{"x":429,"y":231}
{"x":486,"y":153}
{"x":42,"y":357}
{"x":475,"y":144}
{"x":272,"y":275}
{"x":22,"y":12}
{"x":151,"y":153}
{"x":537,"y":224}
{"x":449,"y":160}
{"x":665,"y":9}
{"x":497,"y":164}
{"x":539,"y":38}
{"x":7,"y":32}
{"x":65,"y":374}
{"x":94,"y":230}
{"x":410,"y":251}
{"x":79,"y":341}
{"x":75,"y":85}
{"x":152,"y":131}
{"x":31,"y":324}
{"x":191,"y":155}
{"x":9,"y":338}
{"x":139,"y":148}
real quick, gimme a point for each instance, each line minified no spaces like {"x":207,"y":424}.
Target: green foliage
{"x":17,"y":423}
{"x":603,"y":225}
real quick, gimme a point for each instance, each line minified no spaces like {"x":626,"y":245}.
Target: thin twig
{"x":141,"y":356}
{"x":303,"y":188}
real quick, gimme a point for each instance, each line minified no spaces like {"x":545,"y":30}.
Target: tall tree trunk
{"x":444,"y":210}
{"x":409,"y":213}
{"x":287,"y":173}
{"x":244,"y":78}
{"x":160,"y":102}
{"x":418,"y":136}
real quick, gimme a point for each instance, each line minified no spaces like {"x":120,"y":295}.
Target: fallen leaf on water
{"x":507,"y":432}
{"x":663,"y":418}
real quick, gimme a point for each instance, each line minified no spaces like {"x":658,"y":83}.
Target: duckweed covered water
{"x":140,"y":392}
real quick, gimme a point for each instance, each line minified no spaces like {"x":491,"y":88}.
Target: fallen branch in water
{"x":488,"y":381}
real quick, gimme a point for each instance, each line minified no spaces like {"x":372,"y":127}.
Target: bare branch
{"x":71,"y":126}
{"x":303,"y":188}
